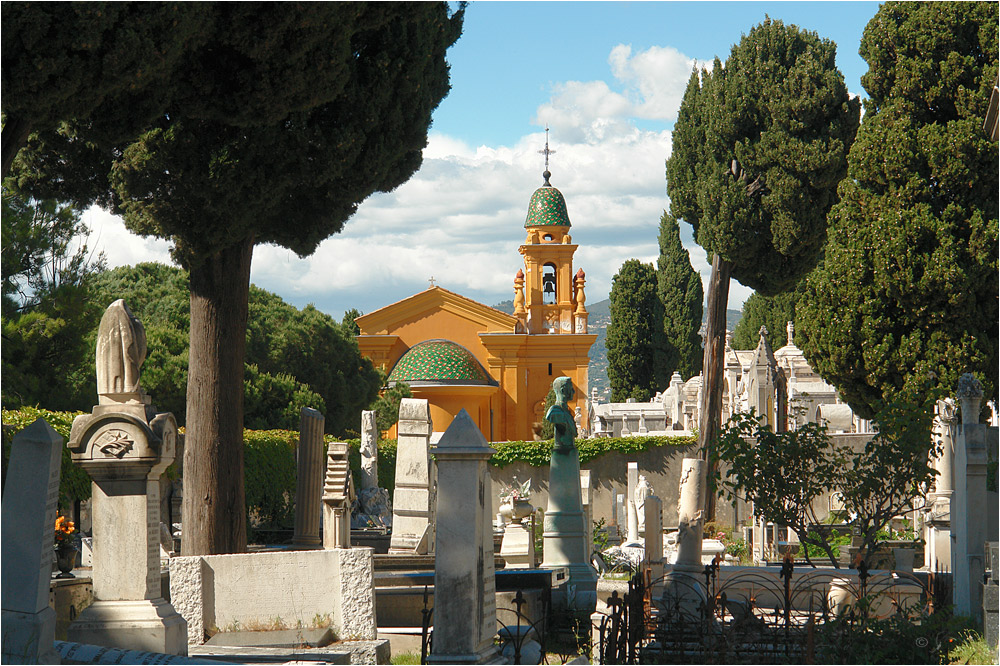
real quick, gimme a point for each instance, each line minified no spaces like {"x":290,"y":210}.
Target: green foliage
{"x":638,"y":355}
{"x":105,"y":63}
{"x":907,"y":295}
{"x":834,"y":539}
{"x":46,"y":303}
{"x":74,"y":483}
{"x":679,"y":289}
{"x":537,"y":453}
{"x":773,"y":312}
{"x":547,"y":430}
{"x":276,"y":400}
{"x":780,"y":110}
{"x":784,"y":474}
{"x":901,"y":638}
{"x":386,"y":406}
{"x":599,"y":535}
{"x":972,"y":648}
{"x":269,"y":475}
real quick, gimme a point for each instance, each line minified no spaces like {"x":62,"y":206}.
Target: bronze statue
{"x":561,"y":417}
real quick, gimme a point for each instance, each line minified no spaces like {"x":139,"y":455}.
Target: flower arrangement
{"x":64,"y":533}
{"x":515,"y":491}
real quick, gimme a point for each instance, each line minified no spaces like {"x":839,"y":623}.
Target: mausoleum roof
{"x":439,"y":361}
{"x":547,"y":208}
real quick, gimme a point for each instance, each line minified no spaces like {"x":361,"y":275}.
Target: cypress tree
{"x":759,"y":147}
{"x":906,"y":298}
{"x":679,"y":289}
{"x":637,"y":350}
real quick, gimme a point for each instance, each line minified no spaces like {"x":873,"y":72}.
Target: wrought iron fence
{"x":753,"y":616}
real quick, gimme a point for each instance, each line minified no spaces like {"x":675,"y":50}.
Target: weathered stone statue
{"x":642,"y":491}
{"x":121,"y":349}
{"x":567,"y":539}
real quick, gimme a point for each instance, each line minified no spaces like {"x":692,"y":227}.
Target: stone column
{"x":653,"y":510}
{"x":29,"y":517}
{"x":125,"y":445}
{"x":633,"y":516}
{"x":974,"y":520}
{"x":937,"y":518}
{"x":309,"y":461}
{"x":413,"y":509}
{"x":587,"y":499}
{"x":464,"y":580}
{"x":369,"y":450}
{"x":683,"y":587}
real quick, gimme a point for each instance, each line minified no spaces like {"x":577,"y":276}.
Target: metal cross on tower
{"x":546,"y":174}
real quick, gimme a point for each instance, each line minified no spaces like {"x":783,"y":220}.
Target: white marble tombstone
{"x":464,"y":579}
{"x":682,"y":589}
{"x":369,"y":450}
{"x":632,"y":538}
{"x":413,"y":506}
{"x":29,"y":516}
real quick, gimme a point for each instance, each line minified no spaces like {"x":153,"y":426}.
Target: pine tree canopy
{"x":759,"y":147}
{"x":906,"y":299}
{"x":682,"y":296}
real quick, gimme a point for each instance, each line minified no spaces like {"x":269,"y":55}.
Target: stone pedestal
{"x":971,"y":524}
{"x":464,"y":580}
{"x":587,"y":499}
{"x":567,"y":543}
{"x":338,"y":493}
{"x":683,"y":586}
{"x":30,"y":497}
{"x":125,"y":448}
{"x":309,"y":463}
{"x":413,"y":504}
{"x":518,"y":545}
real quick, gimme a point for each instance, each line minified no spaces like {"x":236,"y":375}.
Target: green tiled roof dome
{"x":439,"y":361}
{"x":547,"y":208}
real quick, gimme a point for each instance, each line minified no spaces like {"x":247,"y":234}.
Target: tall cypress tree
{"x":759,"y":147}
{"x":679,"y":288}
{"x":906,"y":298}
{"x":637,"y":350}
{"x":772,"y":312}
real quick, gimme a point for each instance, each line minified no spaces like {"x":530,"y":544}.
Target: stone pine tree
{"x":267,"y":140}
{"x":906,"y":298}
{"x":759,"y":147}
{"x":637,"y":350}
{"x":102,"y":61}
{"x":679,"y":288}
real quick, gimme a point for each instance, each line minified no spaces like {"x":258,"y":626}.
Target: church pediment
{"x":392,"y":317}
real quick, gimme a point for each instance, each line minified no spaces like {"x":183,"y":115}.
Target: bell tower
{"x":548,"y":297}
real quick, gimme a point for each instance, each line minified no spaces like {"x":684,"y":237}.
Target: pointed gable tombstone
{"x":464,"y":578}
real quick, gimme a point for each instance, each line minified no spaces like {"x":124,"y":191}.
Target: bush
{"x":537,"y":453}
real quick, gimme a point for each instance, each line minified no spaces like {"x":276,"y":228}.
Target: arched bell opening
{"x":549,"y":284}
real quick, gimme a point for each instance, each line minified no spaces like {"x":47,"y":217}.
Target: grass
{"x":973,"y":650}
{"x":406,"y":658}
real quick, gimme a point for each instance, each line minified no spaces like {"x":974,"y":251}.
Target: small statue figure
{"x":560,"y":416}
{"x":121,"y":350}
{"x":642,"y":490}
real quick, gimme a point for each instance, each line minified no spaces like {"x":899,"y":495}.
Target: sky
{"x":606,"y":78}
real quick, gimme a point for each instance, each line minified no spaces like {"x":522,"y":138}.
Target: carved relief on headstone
{"x":125,"y":446}
{"x":642,"y":491}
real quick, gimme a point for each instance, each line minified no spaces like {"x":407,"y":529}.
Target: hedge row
{"x":269,"y":461}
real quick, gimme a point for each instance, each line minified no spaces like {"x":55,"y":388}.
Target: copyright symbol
{"x":922,"y":642}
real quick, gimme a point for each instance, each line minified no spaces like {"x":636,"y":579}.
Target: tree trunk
{"x":15,"y":134}
{"x":214,"y":508}
{"x":712,"y":368}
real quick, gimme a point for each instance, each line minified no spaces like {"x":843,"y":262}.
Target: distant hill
{"x":600,"y":317}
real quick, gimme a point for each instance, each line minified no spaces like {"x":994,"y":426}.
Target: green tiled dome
{"x":547,"y":208}
{"x":439,"y":361}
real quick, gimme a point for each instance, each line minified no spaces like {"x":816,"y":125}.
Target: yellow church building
{"x":458,"y":353}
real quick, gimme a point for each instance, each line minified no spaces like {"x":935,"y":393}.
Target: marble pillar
{"x":369,"y":450}
{"x":413,"y":504}
{"x":683,"y":586}
{"x":338,"y":494}
{"x":310,"y":470}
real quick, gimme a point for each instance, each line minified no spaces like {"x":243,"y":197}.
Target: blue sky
{"x":606,"y":77}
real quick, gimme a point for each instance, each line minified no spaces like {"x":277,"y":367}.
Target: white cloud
{"x":460,"y":218}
